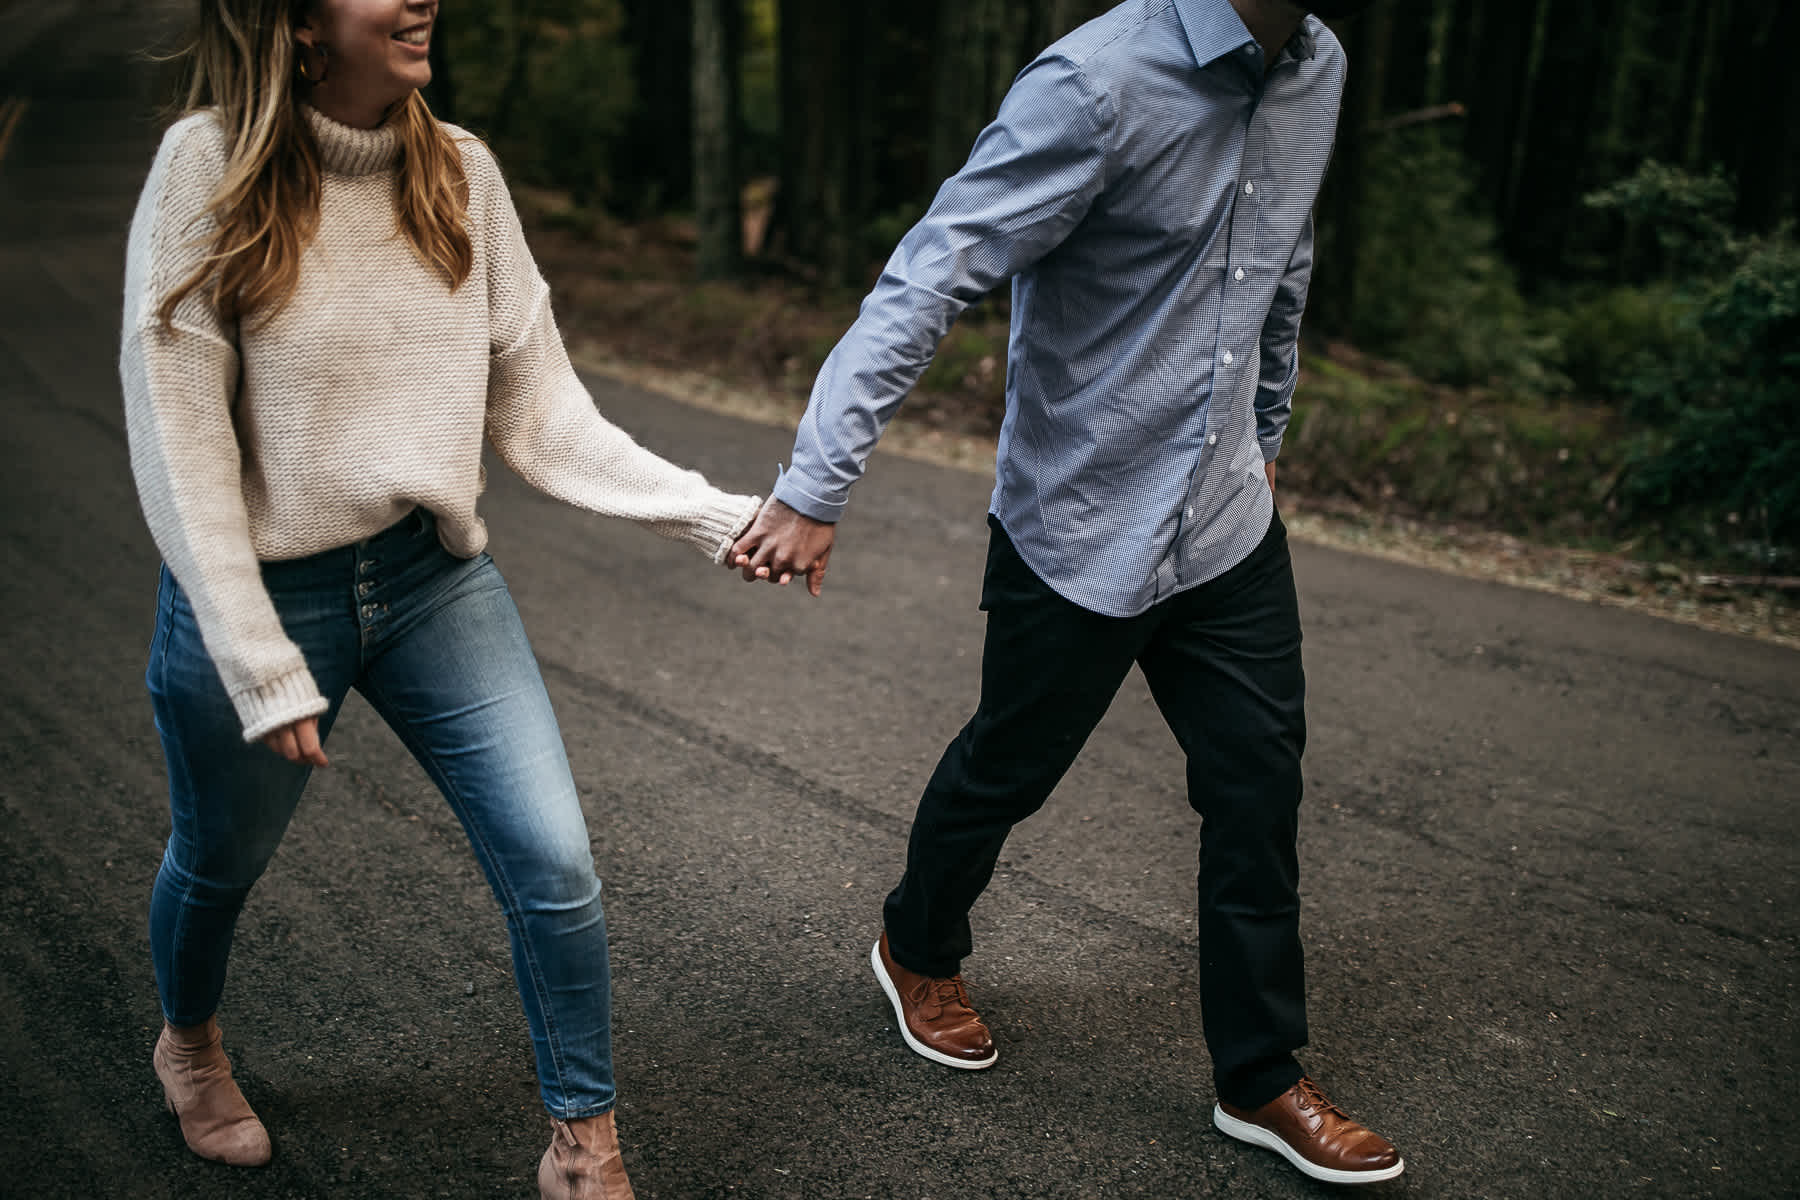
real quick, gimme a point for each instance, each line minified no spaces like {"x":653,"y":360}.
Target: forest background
{"x":1557,"y":293}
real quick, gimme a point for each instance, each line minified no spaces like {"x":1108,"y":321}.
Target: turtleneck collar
{"x":347,"y":151}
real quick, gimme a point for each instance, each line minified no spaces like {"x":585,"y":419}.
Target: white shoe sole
{"x":893,"y":995}
{"x":1256,"y":1135}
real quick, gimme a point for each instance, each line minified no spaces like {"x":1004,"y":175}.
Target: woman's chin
{"x":411,"y":81}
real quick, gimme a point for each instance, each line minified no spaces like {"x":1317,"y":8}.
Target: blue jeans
{"x":434,"y":643}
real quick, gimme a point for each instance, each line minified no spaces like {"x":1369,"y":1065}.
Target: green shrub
{"x":581,"y":97}
{"x":1610,"y":337}
{"x":1432,"y":290}
{"x":1724,"y":450}
{"x":1688,"y":217}
{"x":550,"y":84}
{"x":1505,"y":461}
{"x":1717,"y":394}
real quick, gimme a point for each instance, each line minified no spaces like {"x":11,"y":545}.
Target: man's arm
{"x":1029,"y":181}
{"x":1281,"y":350}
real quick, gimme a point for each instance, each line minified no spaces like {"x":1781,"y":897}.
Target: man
{"x":1148,"y":187}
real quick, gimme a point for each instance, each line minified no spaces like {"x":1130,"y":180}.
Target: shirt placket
{"x":1235,"y":353}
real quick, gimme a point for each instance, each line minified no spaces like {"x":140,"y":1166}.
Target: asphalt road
{"x":1549,"y":850}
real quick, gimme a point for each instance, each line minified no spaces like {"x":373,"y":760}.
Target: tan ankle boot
{"x":583,"y":1161}
{"x":216,"y":1120}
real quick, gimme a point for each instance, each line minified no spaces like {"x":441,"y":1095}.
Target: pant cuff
{"x":577,"y":1114}
{"x":1253,"y":1089}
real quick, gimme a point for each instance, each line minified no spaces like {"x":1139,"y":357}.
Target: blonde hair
{"x":241,"y":64}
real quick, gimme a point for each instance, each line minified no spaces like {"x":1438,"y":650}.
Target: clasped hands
{"x":782,"y":544}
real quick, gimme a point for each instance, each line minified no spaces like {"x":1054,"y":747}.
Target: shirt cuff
{"x":791,"y":493}
{"x":1271,"y":449}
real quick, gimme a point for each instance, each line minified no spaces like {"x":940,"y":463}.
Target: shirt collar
{"x":1214,"y":30}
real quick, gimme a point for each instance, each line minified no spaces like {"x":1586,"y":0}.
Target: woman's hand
{"x":298,"y":743}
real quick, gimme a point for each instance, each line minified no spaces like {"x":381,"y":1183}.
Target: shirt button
{"x":1240,"y":274}
{"x":1212,"y":439}
{"x":1226,"y":358}
{"x":1249,"y":189}
{"x":1189,"y":513}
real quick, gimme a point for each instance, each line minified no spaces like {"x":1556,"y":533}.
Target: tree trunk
{"x":1411,"y":43}
{"x":1556,"y":168}
{"x":1462,"y":53}
{"x":1728,"y":96}
{"x":1787,"y":205}
{"x":1664,"y":97}
{"x":517,"y":83}
{"x":824,"y":135}
{"x":1613,"y":146}
{"x":972,"y":44}
{"x":1501,"y":53}
{"x":716,"y":201}
{"x":1766,"y":141}
{"x":1339,"y":209}
{"x":654,"y":152}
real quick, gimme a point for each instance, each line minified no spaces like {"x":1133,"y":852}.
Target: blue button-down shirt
{"x":1149,"y":190}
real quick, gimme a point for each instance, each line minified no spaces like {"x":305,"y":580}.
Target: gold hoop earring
{"x":313,"y":62}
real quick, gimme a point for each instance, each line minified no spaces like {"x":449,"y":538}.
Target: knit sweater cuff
{"x":722,"y":523}
{"x":270,"y":706}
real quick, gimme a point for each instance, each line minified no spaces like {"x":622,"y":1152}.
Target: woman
{"x":328,"y":303}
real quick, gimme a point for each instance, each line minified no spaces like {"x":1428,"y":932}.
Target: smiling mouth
{"x":418,"y":35}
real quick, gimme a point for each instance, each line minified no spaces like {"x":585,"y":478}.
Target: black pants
{"x":1223,"y":662}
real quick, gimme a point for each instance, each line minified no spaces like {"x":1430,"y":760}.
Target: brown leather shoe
{"x":583,"y":1161}
{"x":1315,"y":1135}
{"x":216,"y":1121}
{"x":935,"y":1016}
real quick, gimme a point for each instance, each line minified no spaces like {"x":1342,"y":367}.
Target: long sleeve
{"x":180,"y":380}
{"x":1281,"y":348}
{"x":1030,"y":179}
{"x":543,"y":423}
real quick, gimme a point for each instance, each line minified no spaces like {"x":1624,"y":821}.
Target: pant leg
{"x":1049,"y":669}
{"x":229,"y":802}
{"x":1224,"y":666}
{"x":452,"y":672}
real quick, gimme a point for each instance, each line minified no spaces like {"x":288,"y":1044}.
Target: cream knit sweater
{"x":368,"y":394}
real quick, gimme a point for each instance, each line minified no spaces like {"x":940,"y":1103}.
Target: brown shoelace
{"x":1311,"y":1097}
{"x":950,"y":993}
